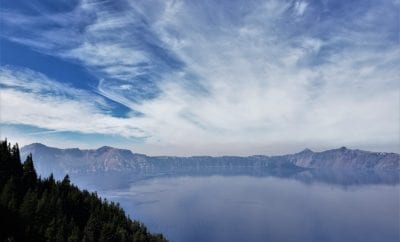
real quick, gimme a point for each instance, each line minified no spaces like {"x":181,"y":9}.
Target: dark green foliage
{"x":10,"y":164}
{"x":29,"y":175}
{"x":34,"y":209}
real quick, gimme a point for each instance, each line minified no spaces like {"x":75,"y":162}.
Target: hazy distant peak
{"x":36,"y":145}
{"x":105,"y":148}
{"x":107,"y":158}
{"x":100,"y":149}
{"x":305,"y":151}
{"x":39,"y":146}
{"x":347,"y":150}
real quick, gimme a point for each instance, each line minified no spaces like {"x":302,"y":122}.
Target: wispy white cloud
{"x":300,"y":7}
{"x":253,"y":79}
{"x":31,"y":98}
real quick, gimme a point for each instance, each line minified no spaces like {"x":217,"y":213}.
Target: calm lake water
{"x":261,"y":208}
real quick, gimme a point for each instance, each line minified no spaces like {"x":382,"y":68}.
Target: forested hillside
{"x":43,"y":209}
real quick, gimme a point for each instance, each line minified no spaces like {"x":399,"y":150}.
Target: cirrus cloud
{"x":218,"y":77}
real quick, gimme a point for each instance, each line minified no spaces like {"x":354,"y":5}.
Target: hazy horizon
{"x":188,"y":155}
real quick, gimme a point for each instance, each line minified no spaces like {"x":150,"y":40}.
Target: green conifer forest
{"x":43,"y":209}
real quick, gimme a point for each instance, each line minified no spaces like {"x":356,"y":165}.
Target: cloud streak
{"x":220,"y":77}
{"x":33,"y":99}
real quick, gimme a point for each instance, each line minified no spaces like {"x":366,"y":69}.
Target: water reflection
{"x":240,"y":205}
{"x":115,"y":180}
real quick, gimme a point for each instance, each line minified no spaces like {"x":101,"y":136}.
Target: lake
{"x":248,"y":207}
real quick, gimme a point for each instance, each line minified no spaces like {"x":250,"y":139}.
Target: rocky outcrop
{"x":105,"y":159}
{"x":344,"y":158}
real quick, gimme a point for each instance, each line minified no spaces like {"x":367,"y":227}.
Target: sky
{"x":165,"y":77}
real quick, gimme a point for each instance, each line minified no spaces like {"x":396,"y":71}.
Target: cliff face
{"x":344,"y":158}
{"x":50,"y":159}
{"x":111,"y":159}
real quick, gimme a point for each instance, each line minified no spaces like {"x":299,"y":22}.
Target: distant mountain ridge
{"x":104,"y":159}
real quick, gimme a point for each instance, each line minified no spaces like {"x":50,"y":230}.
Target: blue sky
{"x":201,"y":77}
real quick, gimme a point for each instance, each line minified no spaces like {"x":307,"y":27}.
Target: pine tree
{"x":29,"y":176}
{"x":27,"y":209}
{"x":10,"y":162}
{"x":9,"y":197}
{"x":35,"y":209}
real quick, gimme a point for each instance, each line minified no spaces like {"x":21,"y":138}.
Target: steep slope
{"x":106,"y":159}
{"x":50,"y":159}
{"x":344,"y":158}
{"x":43,"y":209}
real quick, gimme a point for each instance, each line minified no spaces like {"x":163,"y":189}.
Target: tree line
{"x":43,"y":209}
